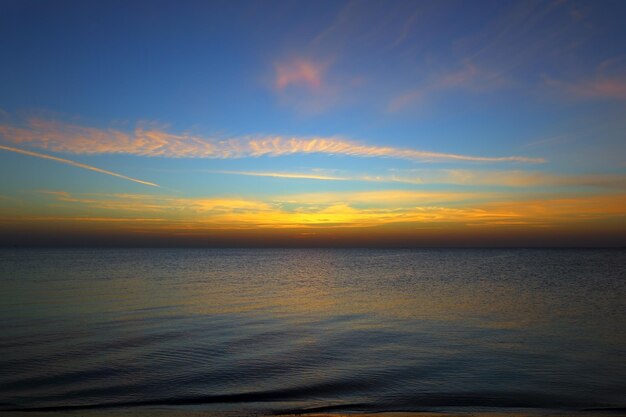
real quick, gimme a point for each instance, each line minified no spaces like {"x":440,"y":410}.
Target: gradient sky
{"x":418,"y":123}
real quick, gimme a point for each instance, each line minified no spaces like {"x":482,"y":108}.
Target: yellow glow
{"x":445,"y":211}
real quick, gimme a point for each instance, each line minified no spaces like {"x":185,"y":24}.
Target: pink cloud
{"x":299,"y":72}
{"x":608,"y":83}
{"x":597,"y":88}
{"x":610,"y":88}
{"x":304,"y":85}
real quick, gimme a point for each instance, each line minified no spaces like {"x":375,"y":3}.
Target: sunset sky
{"x":382,"y":123}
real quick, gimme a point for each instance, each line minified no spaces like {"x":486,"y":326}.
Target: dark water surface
{"x":331,"y":329}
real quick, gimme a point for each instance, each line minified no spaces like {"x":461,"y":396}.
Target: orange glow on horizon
{"x":397,"y":216}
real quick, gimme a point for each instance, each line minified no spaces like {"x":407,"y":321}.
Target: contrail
{"x":76,"y":164}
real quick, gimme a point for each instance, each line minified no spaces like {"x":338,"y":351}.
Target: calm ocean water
{"x":278,"y":330}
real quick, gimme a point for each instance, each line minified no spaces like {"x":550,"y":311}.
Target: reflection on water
{"x":313,"y":329}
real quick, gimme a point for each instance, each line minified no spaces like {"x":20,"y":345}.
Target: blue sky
{"x":487,"y":102}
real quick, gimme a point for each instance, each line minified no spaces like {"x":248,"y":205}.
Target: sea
{"x":279,"y":331}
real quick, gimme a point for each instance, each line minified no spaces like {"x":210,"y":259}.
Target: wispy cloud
{"x":166,"y":206}
{"x":604,"y":88}
{"x":609,"y":82}
{"x":549,"y":141}
{"x":152,"y":141}
{"x":75,"y":164}
{"x":468,"y":77}
{"x":293,"y":175}
{"x":526,"y":179}
{"x":392,"y":199}
{"x":129,"y":220}
{"x":319,"y":175}
{"x":607,"y":88}
{"x":406,"y":98}
{"x":511,"y":178}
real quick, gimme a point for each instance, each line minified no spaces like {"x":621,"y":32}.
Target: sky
{"x":313,"y":123}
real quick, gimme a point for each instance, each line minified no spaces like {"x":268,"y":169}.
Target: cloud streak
{"x":459,"y":177}
{"x":287,"y":175}
{"x":152,"y":141}
{"x":75,"y":164}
